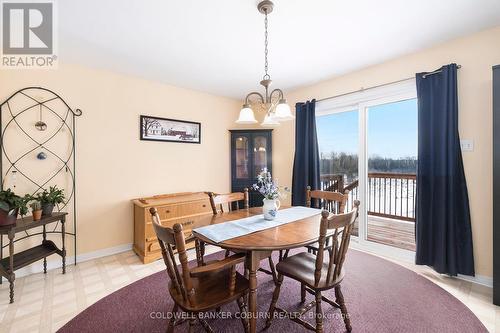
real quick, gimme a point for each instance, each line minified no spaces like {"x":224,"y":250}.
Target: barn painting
{"x":171,"y":130}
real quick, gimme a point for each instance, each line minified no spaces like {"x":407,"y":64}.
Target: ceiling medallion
{"x":272,"y":103}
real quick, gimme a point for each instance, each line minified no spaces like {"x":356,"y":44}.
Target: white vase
{"x":270,"y":208}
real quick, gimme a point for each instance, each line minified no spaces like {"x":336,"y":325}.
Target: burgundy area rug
{"x":380,"y":297}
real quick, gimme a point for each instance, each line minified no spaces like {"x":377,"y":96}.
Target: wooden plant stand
{"x":16,"y":261}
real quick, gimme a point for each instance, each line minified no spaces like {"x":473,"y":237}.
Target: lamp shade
{"x":283,"y":112}
{"x":269,"y":121}
{"x":246,"y":116}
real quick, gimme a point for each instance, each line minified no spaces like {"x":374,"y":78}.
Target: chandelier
{"x":272,"y":103}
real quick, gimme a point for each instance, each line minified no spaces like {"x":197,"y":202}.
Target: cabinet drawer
{"x":150,"y":231}
{"x":187,"y":224}
{"x":165,"y":212}
{"x":192,"y":208}
{"x":153,"y":247}
{"x":152,"y":244}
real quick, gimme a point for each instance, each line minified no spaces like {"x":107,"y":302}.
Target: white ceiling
{"x":217,"y":46}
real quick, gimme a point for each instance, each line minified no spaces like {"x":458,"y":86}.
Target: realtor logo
{"x":28,"y":34}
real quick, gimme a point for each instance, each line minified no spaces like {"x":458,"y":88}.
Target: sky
{"x":392,"y":130}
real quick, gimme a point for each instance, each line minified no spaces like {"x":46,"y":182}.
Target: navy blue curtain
{"x":443,"y":228}
{"x":306,"y":161}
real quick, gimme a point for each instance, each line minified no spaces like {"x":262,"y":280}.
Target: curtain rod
{"x":437,"y":71}
{"x":382,"y":85}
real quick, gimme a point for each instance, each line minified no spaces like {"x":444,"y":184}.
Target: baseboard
{"x":70,"y":260}
{"x":486,"y":281}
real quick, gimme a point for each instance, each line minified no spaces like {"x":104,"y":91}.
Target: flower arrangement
{"x":268,"y":187}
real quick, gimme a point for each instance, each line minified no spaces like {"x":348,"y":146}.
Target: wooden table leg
{"x":253,"y":265}
{"x":43,"y":242}
{"x":63,"y":234}
{"x":202,"y":247}
{"x":12,"y":276}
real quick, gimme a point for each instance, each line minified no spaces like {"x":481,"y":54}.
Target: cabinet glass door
{"x":259,"y":153}
{"x":242,"y":165}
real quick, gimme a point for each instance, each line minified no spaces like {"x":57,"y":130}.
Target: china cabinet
{"x":251,"y":151}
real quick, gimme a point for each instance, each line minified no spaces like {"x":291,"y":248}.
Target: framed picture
{"x":170,"y":130}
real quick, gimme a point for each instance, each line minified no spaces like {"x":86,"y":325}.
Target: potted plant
{"x":49,"y":199}
{"x":10,"y":206}
{"x":36,"y":210}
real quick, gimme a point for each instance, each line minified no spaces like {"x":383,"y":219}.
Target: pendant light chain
{"x":266,"y":64}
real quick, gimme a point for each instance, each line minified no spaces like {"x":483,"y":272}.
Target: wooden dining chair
{"x":228,"y":202}
{"x":199,"y":289}
{"x":333,"y":202}
{"x":316,"y":275}
{"x":220,"y":203}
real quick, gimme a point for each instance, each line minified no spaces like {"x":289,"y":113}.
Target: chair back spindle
{"x":342,"y":223}
{"x":334,"y":202}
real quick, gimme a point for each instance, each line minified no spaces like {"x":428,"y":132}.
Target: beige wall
{"x":113,"y":165}
{"x":477,"y":54}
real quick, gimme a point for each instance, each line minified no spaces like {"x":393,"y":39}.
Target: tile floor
{"x":46,"y":302}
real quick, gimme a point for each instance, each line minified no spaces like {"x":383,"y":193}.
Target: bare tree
{"x":147,"y":123}
{"x":195,"y":132}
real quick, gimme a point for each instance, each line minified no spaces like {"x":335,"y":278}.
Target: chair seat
{"x":212,"y":291}
{"x":301,"y":267}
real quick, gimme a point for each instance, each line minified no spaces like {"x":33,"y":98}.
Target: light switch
{"x":467,"y":145}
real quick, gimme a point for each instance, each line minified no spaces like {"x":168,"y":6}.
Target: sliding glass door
{"x":391,"y":179}
{"x":368,"y":147}
{"x":338,"y":145}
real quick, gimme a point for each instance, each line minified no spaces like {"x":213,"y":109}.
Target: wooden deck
{"x":400,"y":234}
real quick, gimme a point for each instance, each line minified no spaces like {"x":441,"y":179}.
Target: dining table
{"x":260,"y":244}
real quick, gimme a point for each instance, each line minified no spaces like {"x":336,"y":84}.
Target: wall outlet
{"x":467,"y":145}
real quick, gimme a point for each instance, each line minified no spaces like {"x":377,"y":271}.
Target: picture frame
{"x":169,"y":130}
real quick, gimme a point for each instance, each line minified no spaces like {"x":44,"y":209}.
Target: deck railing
{"x":390,"y":195}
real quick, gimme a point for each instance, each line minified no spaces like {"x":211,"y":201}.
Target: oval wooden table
{"x":260,"y":244}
